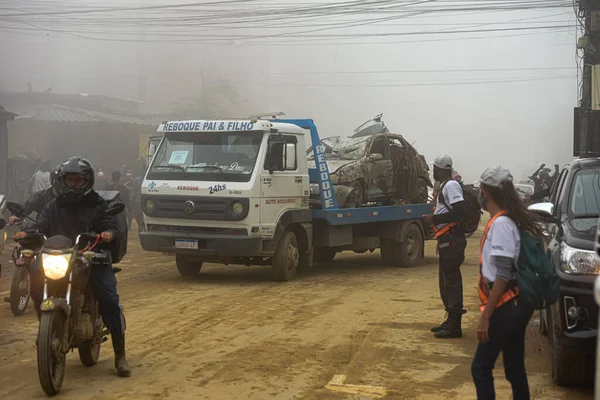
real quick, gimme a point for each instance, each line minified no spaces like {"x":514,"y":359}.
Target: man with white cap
{"x":449,"y":211}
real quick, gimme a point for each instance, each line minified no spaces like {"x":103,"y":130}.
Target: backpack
{"x":470,"y":222}
{"x":536,"y":278}
{"x":119,"y":250}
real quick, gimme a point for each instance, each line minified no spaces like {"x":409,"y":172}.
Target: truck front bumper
{"x":208,"y":245}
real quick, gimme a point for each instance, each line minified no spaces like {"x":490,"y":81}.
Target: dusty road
{"x":233,"y":334}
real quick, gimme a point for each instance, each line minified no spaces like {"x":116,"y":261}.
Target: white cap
{"x":495,"y":176}
{"x":443,"y":162}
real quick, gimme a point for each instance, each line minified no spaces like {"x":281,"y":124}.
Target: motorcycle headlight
{"x":55,"y":266}
{"x":576,"y":261}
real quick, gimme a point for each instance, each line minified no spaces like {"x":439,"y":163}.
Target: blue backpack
{"x":536,"y":278}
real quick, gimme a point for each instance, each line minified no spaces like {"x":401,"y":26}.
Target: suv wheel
{"x":569,"y":362}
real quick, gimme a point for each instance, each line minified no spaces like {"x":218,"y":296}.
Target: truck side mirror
{"x":151,"y":150}
{"x":289,"y":157}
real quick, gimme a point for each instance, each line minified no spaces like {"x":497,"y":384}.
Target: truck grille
{"x":206,"y":208}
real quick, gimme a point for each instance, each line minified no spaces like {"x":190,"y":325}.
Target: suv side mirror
{"x":543,"y":210}
{"x":375,"y":157}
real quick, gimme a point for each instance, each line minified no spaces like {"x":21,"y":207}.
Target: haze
{"x":502,"y":91}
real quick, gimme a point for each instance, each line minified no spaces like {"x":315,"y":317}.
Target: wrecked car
{"x":382,"y":168}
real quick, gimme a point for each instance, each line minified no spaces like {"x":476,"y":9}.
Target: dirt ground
{"x":232,"y":333}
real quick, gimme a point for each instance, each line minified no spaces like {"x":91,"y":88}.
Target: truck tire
{"x":324,"y":254}
{"x":408,"y":253}
{"x":187,"y":266}
{"x":286,"y":257}
{"x":569,"y":363}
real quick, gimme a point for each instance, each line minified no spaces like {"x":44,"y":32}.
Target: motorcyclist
{"x":542,"y":179}
{"x":39,"y":199}
{"x":69,"y":215}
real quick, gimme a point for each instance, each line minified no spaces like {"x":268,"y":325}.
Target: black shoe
{"x":441,"y":326}
{"x":453,"y":329}
{"x":121,"y":363}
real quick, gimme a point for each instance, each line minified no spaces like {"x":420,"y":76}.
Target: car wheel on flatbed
{"x":187,"y":266}
{"x":569,"y":363}
{"x":286,"y":258}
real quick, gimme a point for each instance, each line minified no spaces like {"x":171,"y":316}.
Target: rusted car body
{"x":382,"y":168}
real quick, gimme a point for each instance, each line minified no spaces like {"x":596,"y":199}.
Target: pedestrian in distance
{"x":124,"y":192}
{"x":450,"y":209}
{"x":504,"y":317}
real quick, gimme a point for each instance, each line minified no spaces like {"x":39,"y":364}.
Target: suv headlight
{"x":55,"y":266}
{"x":576,"y":261}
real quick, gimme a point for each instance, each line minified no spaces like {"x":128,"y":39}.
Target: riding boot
{"x":121,"y":363}
{"x":441,"y":326}
{"x":453,"y":329}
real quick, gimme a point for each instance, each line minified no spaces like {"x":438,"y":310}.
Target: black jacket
{"x":38,"y":201}
{"x":61,"y":218}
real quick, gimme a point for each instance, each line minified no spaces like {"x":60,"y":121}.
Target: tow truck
{"x":237,"y":192}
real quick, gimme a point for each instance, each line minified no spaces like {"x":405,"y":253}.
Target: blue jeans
{"x":104,"y":284}
{"x":507,"y":335}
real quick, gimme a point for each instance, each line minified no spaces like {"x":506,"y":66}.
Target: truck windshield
{"x":585,"y":194}
{"x":226,"y":156}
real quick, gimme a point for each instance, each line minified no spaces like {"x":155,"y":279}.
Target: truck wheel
{"x":187,"y":266}
{"x":324,"y":254}
{"x":408,"y":253}
{"x":569,"y":363}
{"x":286,"y":258}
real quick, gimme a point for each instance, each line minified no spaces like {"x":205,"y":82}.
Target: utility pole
{"x":586,"y":135}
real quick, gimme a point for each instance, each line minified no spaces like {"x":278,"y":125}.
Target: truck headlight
{"x":577,"y":261}
{"x":149,"y":206}
{"x":237,"y":208}
{"x":55,"y":266}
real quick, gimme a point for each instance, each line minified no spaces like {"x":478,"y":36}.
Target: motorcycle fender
{"x":53,"y":303}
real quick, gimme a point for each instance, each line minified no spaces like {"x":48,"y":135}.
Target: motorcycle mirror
{"x":114,"y":209}
{"x":15,"y":208}
{"x":2,"y":223}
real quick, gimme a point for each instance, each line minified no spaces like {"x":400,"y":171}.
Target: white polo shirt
{"x":503,"y":239}
{"x":452,"y":194}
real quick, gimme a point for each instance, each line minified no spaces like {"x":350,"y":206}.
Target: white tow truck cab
{"x":237,"y":192}
{"x":226,"y":191}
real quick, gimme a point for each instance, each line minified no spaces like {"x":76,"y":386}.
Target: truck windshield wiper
{"x":208,"y":167}
{"x":177,"y":166}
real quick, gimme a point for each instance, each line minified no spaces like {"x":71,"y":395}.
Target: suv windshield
{"x":585,"y":194}
{"x":228,"y":156}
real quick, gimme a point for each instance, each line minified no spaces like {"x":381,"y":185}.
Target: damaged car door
{"x":380,"y":172}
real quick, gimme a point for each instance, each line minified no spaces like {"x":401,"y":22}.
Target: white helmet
{"x":443,"y":162}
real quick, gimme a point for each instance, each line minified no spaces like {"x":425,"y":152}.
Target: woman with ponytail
{"x":504,"y":318}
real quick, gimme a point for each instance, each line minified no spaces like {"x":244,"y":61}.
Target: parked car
{"x":570,"y":219}
{"x":381,"y":168}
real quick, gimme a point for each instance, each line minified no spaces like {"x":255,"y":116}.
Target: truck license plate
{"x":186,"y":244}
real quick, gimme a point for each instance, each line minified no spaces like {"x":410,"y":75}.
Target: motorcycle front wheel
{"x":19,"y":290}
{"x":51,"y":358}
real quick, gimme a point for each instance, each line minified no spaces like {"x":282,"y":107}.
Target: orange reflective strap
{"x":484,"y":291}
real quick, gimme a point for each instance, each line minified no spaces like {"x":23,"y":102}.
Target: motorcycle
{"x":19,"y":286}
{"x":69,"y":314}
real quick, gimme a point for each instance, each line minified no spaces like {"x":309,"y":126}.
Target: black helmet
{"x":79,"y":166}
{"x":54,"y":177}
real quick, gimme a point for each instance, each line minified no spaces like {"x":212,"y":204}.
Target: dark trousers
{"x":452,"y":255}
{"x":139,"y":217}
{"x":507,"y":335}
{"x":104,"y":284}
